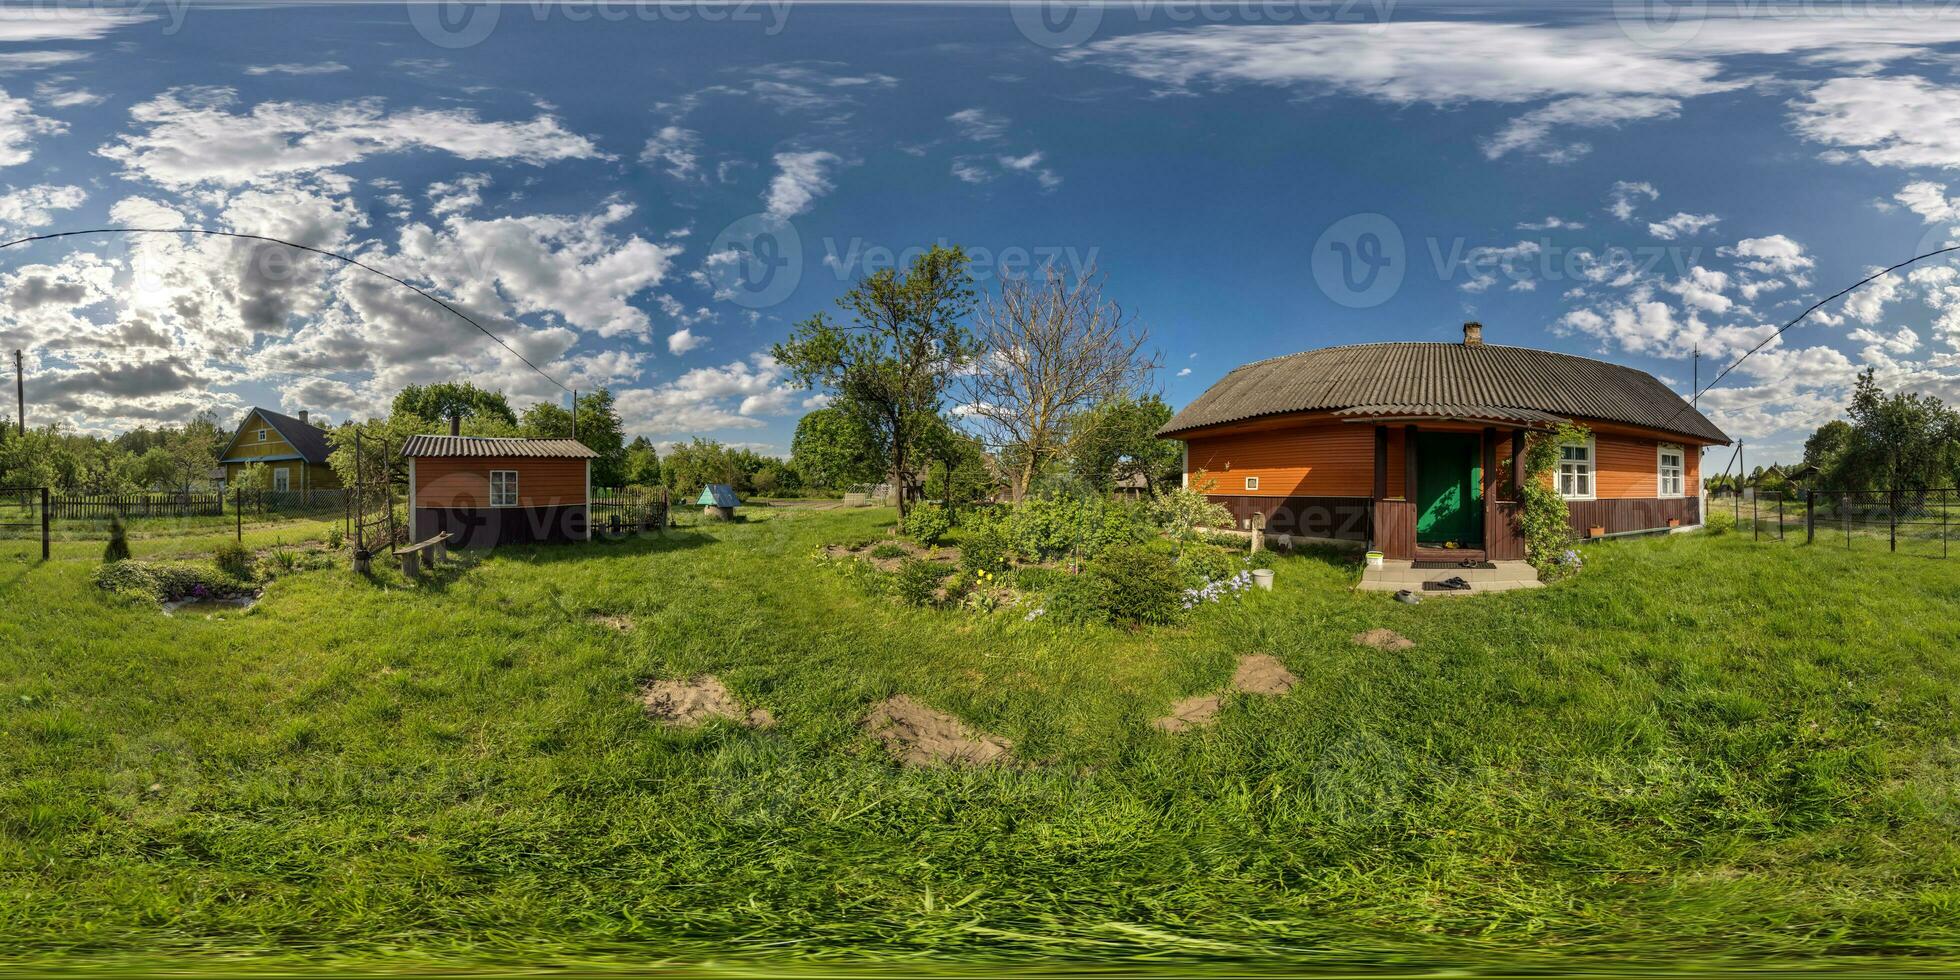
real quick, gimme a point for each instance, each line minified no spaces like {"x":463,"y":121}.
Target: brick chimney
{"x":456,"y":424}
{"x":302,"y":415}
{"x":1473,"y":334}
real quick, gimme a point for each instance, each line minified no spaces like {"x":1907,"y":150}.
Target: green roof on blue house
{"x":717,"y":495}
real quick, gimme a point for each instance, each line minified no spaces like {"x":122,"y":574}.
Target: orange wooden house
{"x":1416,"y":447}
{"x":489,"y":491}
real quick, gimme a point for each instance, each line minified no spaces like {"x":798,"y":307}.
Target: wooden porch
{"x":1393,"y":528}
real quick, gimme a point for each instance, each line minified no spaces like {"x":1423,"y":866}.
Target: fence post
{"x":44,"y":523}
{"x":1755,"y":520}
{"x":1892,"y":516}
{"x":1810,"y":517}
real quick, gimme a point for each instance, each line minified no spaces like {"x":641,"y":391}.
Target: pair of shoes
{"x":1455,"y":583}
{"x":1469,"y":563}
{"x":1409,"y":597}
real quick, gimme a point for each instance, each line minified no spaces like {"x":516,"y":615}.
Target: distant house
{"x":485,"y":491}
{"x":292,"y":449}
{"x":1416,"y":447}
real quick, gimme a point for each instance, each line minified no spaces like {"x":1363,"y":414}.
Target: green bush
{"x":233,"y":560}
{"x":888,"y":551}
{"x":1181,"y":512}
{"x":1128,"y":586}
{"x":158,"y":581}
{"x":1200,"y":564}
{"x":1048,"y":527}
{"x":335,"y":538}
{"x":118,"y":549}
{"x":927,"y":523}
{"x":1718,"y":521}
{"x":918,"y":579}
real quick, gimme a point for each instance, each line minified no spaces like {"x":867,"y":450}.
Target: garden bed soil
{"x":862,"y":552}
{"x":916,"y":735}
{"x":206,"y":605}
{"x":696,"y":701}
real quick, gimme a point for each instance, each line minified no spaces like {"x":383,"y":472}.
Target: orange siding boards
{"x":1629,"y":467}
{"x":465,"y":481}
{"x":1315,"y":461}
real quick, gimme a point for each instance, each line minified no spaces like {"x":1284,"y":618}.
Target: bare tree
{"x":1051,"y":350}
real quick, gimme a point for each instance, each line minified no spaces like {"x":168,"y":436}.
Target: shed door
{"x":1449,"y":498}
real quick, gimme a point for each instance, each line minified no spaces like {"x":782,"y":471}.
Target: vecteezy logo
{"x":1056,"y":23}
{"x":1660,"y":23}
{"x":454,"y":24}
{"x":1359,"y":260}
{"x":756,"y":261}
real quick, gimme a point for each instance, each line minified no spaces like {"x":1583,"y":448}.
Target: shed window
{"x":503,"y":488}
{"x":1252,"y":483}
{"x":1575,"y":470}
{"x":1671,"y":469}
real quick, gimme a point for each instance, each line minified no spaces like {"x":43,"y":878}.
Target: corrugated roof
{"x":1465,"y":413}
{"x":426,"y":446}
{"x":717,"y":495}
{"x":1444,"y":375}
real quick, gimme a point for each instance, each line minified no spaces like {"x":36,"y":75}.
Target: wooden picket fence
{"x":101,"y":506}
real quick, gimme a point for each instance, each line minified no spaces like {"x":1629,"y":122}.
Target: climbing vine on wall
{"x":1543,"y":519}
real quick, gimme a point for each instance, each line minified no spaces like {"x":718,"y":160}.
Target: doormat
{"x":1427,"y":565}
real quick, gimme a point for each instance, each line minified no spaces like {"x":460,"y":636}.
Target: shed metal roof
{"x":718,"y":495}
{"x":1445,"y":376}
{"x":428,"y":446}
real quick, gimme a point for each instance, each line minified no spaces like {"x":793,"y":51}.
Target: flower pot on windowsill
{"x":1375,"y":559}
{"x":1596,"y":531}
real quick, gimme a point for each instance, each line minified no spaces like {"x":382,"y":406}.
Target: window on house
{"x":261,"y":435}
{"x":1672,"y":470}
{"x":1575,"y":470}
{"x":1252,"y":483}
{"x":503,"y":488}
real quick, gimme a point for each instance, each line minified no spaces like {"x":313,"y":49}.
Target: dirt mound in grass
{"x":697,"y":701}
{"x":916,"y":735}
{"x":1256,"y":674}
{"x":1262,"y":674}
{"x":1384,"y":639}
{"x":618,"y":623}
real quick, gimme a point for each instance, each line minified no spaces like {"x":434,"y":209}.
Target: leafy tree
{"x":1827,"y":445}
{"x":599,"y":429}
{"x":957,"y":468}
{"x":693,"y":465}
{"x":642,"y":464}
{"x":459,"y":400}
{"x":892,"y":364}
{"x":1118,"y":440}
{"x":834,"y":449}
{"x":1901,"y":440}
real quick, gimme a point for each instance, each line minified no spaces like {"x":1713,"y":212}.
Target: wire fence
{"x":1919,"y":521}
{"x":24,"y":514}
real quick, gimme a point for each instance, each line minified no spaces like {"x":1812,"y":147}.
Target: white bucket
{"x":1263,"y":578}
{"x":1374,"y":559}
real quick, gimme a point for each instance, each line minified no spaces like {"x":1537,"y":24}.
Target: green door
{"x":1449,"y":489}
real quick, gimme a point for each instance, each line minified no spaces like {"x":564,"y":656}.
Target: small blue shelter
{"x":718,"y":500}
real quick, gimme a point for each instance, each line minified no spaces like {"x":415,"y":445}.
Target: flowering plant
{"x":1216,"y":590}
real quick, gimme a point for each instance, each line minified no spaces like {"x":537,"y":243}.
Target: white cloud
{"x":979,"y":125}
{"x":1928,"y":200}
{"x":1625,"y":197}
{"x":683,"y":340}
{"x":709,"y":399}
{"x":33,"y":207}
{"x":291,"y":68}
{"x":800,"y":179}
{"x":1867,"y":304}
{"x":1551,"y":222}
{"x":1682,"y":223}
{"x":1769,"y":255}
{"x":1184,"y":372}
{"x":191,"y":136}
{"x":20,"y":127}
{"x":679,"y":149}
{"x":1899,"y":121}
{"x":1532,"y":132}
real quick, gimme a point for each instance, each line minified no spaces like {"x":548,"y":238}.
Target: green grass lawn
{"x":1702,"y":747}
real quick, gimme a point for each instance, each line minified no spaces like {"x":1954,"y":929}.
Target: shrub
{"x":1050,"y":526}
{"x":927,"y":523}
{"x":1718,"y":521}
{"x":157,"y":581}
{"x":918,"y":579}
{"x":1543,"y":519}
{"x":887,"y":551}
{"x":335,"y":538}
{"x":233,"y":560}
{"x":1129,"y":586}
{"x":1201,"y":564}
{"x":1180,"y":512}
{"x":118,"y":549}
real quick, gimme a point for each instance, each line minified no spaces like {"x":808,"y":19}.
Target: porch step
{"x":1451,"y":554}
{"x":1396,"y":575}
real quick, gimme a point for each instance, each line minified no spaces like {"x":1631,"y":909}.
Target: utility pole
{"x":20,"y":396}
{"x":574,"y":414}
{"x":1694,"y":397}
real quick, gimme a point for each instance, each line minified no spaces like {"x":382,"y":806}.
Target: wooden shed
{"x":484,"y":492}
{"x":1416,"y":448}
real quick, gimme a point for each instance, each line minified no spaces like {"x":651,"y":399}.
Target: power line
{"x":425,"y":294}
{"x":1880,"y":274}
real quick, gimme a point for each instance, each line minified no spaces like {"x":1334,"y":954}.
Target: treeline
{"x":1887,"y":441}
{"x":161,"y":459}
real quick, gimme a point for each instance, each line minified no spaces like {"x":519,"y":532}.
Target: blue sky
{"x":648,"y":196}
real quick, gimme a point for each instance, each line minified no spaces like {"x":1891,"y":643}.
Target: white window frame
{"x":1592,"y":470}
{"x":1680,"y":470}
{"x":1252,"y":483}
{"x":262,"y":433}
{"x":282,"y":480}
{"x":510,"y":486}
